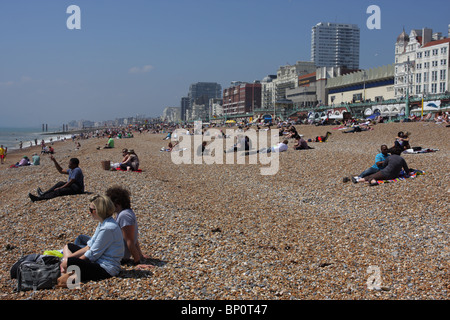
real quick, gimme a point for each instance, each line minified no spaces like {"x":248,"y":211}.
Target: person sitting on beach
{"x":169,"y":136}
{"x":201,"y":149}
{"x":380,"y":159}
{"x":301,"y":144}
{"x":170,"y":147}
{"x":427,"y":117}
{"x":74,"y":184}
{"x":126,"y":219}
{"x":110,"y":143}
{"x":36,"y":159}
{"x":24,"y":162}
{"x":100,"y":258}
{"x":130,"y":162}
{"x":292,"y":133}
{"x":440,"y":118}
{"x":392,"y":168}
{"x":402,"y":141}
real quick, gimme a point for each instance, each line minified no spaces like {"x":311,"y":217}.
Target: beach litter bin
{"x":106,"y":165}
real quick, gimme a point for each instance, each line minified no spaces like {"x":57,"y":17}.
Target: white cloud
{"x":143,"y":69}
{"x":22,"y":80}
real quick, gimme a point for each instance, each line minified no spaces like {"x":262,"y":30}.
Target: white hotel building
{"x":421,"y":63}
{"x":432,"y":67}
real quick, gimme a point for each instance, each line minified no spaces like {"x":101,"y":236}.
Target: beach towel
{"x":403,"y":176}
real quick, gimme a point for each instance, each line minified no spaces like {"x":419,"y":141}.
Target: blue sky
{"x":140,"y":56}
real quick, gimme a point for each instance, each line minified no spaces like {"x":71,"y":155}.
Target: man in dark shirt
{"x":392,"y":167}
{"x":74,"y":184}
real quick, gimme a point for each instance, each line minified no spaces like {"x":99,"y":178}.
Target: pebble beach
{"x":226,"y":232}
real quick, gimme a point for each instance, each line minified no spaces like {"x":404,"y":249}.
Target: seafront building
{"x":421,"y":63}
{"x":241,"y":98}
{"x":332,"y":84}
{"x":184,"y":106}
{"x":365,"y":92}
{"x":215,"y":108}
{"x":431,"y":74}
{"x":335,"y":45}
{"x":199,"y":95}
{"x":171,"y":114}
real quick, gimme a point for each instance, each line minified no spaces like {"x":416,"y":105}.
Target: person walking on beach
{"x":2,"y":154}
{"x":74,"y":184}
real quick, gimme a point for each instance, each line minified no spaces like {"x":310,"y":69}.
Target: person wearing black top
{"x":392,"y":167}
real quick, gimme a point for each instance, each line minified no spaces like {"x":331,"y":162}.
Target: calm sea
{"x":11,"y":137}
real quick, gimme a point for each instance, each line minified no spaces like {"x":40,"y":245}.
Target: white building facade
{"x":432,"y":68}
{"x":421,"y":63}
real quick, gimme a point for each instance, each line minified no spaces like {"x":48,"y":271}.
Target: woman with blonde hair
{"x":100,"y":258}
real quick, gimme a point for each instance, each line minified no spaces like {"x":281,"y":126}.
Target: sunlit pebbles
{"x":227,"y":232}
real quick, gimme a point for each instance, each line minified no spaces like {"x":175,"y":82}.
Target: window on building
{"x":425,"y":77}
{"x":357,"y":97}
{"x":418,"y":78}
{"x":443,"y":50}
{"x":418,"y":89}
{"x":442,"y":87}
{"x":435,"y":52}
{"x":426,"y":53}
{"x":443,"y":62}
{"x":433,"y":87}
{"x":433,"y":75}
{"x":443,"y":74}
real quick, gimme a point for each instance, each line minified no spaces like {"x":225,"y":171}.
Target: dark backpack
{"x":35,"y":272}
